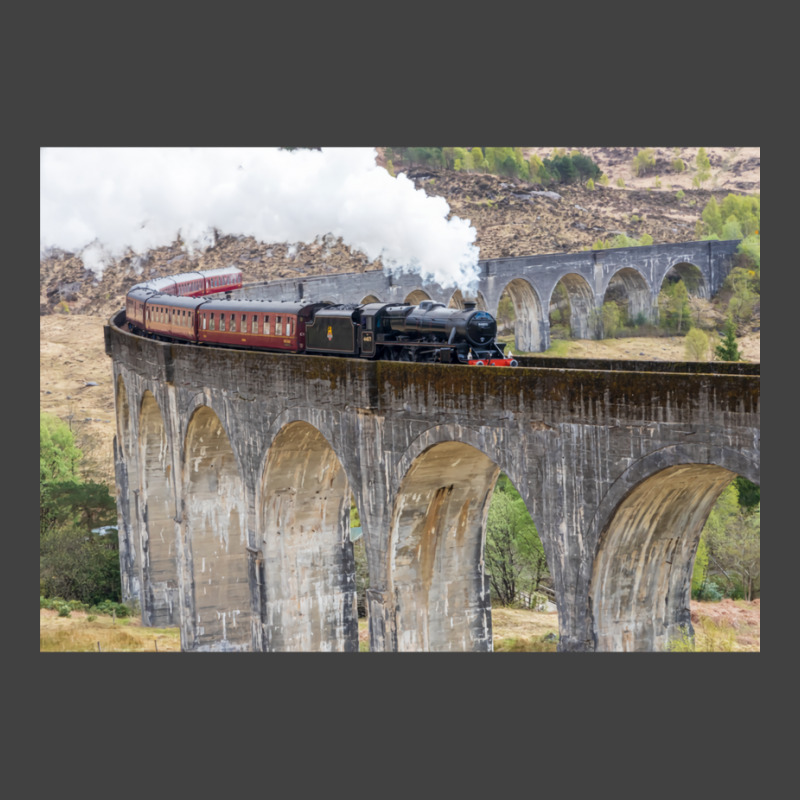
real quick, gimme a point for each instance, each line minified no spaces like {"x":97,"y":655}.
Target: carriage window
{"x":255,"y":323}
{"x":211,"y":324}
{"x":278,"y":321}
{"x":243,"y":329}
{"x":290,"y":326}
{"x":205,"y":321}
{"x":266,"y":323}
{"x":233,"y":322}
{"x":222,"y":322}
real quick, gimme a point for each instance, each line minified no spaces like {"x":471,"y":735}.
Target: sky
{"x":103,"y":203}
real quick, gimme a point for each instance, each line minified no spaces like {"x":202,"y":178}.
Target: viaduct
{"x":631,"y":275}
{"x":235,"y":472}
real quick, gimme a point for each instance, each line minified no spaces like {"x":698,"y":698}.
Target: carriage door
{"x":368,"y":336}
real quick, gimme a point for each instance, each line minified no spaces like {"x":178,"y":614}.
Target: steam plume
{"x":106,"y":202}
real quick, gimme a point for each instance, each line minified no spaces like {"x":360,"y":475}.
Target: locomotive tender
{"x":184,"y":308}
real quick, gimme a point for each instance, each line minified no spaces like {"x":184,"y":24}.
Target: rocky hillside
{"x":511,"y":218}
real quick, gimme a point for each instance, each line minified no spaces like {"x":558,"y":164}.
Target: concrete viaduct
{"x":235,"y":472}
{"x":632,"y":275}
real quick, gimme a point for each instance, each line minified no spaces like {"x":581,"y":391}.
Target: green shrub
{"x":109,"y":608}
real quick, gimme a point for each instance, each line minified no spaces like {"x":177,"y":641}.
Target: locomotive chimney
{"x":469,"y":303}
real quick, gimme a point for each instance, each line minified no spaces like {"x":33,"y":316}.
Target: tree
{"x":77,"y":564}
{"x":729,"y":349}
{"x":712,"y":217}
{"x":745,"y":209}
{"x":673,"y":301}
{"x":612,"y":318}
{"x":743,"y":285}
{"x":750,"y":250}
{"x":733,"y":537}
{"x":58,"y":455}
{"x":514,"y":556}
{"x":703,"y":164}
{"x":644,"y":162}
{"x":74,"y":562}
{"x":697,"y":345}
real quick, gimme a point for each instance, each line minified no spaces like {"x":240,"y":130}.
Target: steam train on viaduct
{"x":196,"y":308}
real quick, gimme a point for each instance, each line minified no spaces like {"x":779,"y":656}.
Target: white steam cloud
{"x":106,"y":202}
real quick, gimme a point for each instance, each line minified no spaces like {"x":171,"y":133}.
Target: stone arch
{"x":528,"y":313}
{"x":370,"y":298}
{"x":215,"y":530}
{"x":629,"y":289}
{"x":436,"y":550}
{"x":640,"y":587}
{"x":160,"y":600}
{"x":457,"y":300}
{"x":308,"y":564}
{"x":579,"y":305}
{"x":416,"y":296}
{"x":692,"y":277}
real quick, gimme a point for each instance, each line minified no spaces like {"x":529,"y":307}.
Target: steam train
{"x":189,"y":308}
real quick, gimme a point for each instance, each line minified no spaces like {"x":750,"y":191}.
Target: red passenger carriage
{"x":225,"y":279}
{"x":170,"y":317}
{"x":262,"y":324}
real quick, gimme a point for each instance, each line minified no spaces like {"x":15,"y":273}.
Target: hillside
{"x":511,"y":219}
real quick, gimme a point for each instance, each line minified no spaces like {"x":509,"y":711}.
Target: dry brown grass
{"x":77,"y":634}
{"x":517,"y":630}
{"x":731,"y":625}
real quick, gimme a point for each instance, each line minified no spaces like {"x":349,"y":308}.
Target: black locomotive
{"x":427,"y":332}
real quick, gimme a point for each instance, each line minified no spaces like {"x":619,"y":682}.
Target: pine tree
{"x":728,"y":350}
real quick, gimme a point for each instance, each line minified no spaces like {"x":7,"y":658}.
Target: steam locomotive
{"x":188,"y":308}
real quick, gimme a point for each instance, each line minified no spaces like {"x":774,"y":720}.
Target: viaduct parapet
{"x":235,"y":472}
{"x":633,"y":274}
